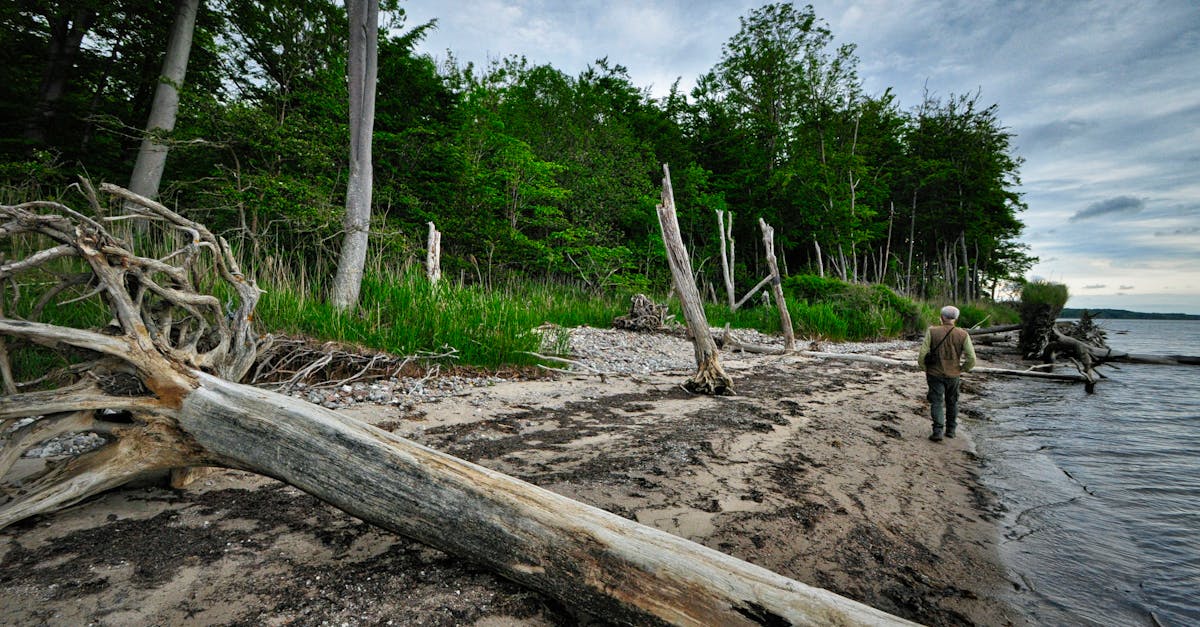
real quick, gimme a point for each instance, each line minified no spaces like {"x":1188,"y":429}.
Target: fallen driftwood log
{"x":884,"y":361}
{"x":728,"y":341}
{"x":1004,"y":328}
{"x":1104,"y":354}
{"x":159,"y":387}
{"x":988,"y":335}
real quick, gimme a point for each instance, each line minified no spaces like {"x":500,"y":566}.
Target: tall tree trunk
{"x":362,"y":70}
{"x":710,"y":377}
{"x":912,"y":242}
{"x":975,"y":275}
{"x":725,"y":231}
{"x":66,"y":37}
{"x":968,"y":286}
{"x":118,"y":49}
{"x":887,"y":246}
{"x":433,"y":255}
{"x":785,"y":318}
{"x":951,"y":277}
{"x":152,"y":156}
{"x":820,"y":261}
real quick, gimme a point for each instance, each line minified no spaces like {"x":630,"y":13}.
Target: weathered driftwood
{"x":725,"y":231}
{"x":1003,"y":328}
{"x":710,"y":377}
{"x":728,"y":341}
{"x":725,"y":238}
{"x":644,"y":315}
{"x":785,"y":318}
{"x":884,"y":361}
{"x":157,"y":388}
{"x":433,"y":254}
{"x":1032,"y":373}
{"x":1104,"y":354}
{"x":1037,"y":324}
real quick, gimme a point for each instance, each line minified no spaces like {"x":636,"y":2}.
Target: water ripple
{"x":1102,"y":490}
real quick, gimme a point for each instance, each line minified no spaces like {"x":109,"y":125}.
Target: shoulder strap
{"x":943,"y":340}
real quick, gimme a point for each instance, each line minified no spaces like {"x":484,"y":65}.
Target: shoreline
{"x":818,"y":470}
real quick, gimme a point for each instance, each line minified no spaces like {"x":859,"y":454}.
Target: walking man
{"x":945,"y":354}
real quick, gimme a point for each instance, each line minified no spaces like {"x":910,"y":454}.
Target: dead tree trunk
{"x":710,"y":377}
{"x":433,"y":255}
{"x":1037,"y":324}
{"x":362,"y":70}
{"x":725,"y":230}
{"x":157,"y":385}
{"x":725,"y":233}
{"x":152,"y":156}
{"x":785,"y":318}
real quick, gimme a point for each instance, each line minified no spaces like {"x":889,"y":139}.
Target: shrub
{"x":985,"y":314}
{"x":1044,"y":293}
{"x":837,"y":310}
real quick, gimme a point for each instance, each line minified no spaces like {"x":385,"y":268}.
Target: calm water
{"x":1102,"y":491}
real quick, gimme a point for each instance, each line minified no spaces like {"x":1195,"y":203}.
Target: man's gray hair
{"x":950,"y":312}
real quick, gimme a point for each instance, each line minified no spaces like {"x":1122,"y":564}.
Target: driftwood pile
{"x":1084,"y":346}
{"x":644,"y":315}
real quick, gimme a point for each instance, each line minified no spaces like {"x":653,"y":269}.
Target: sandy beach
{"x":817,"y":469}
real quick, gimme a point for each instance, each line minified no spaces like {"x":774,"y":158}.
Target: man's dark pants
{"x":943,"y":402}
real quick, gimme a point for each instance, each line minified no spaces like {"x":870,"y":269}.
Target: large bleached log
{"x":586,"y":557}
{"x":884,"y":361}
{"x":158,"y":389}
{"x":1003,"y":328}
{"x":1104,"y":354}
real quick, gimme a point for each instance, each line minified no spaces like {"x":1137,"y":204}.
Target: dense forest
{"x":528,"y":170}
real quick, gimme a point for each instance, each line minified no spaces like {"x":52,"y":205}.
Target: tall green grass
{"x":986,"y":314}
{"x":765,"y":318}
{"x":832,"y":309}
{"x":1044,"y":293}
{"x":406,"y":315}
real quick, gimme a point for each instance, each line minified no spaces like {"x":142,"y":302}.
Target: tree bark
{"x":725,"y":232}
{"x":363,"y":71}
{"x":174,"y":407}
{"x":67,"y":33}
{"x":152,"y":156}
{"x":1037,"y":325}
{"x":710,"y":378}
{"x":785,"y":318}
{"x":433,"y":255}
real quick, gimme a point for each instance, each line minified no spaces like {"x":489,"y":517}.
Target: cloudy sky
{"x":1103,"y":97}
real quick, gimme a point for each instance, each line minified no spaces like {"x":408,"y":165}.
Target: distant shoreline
{"x":1123,"y":314}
